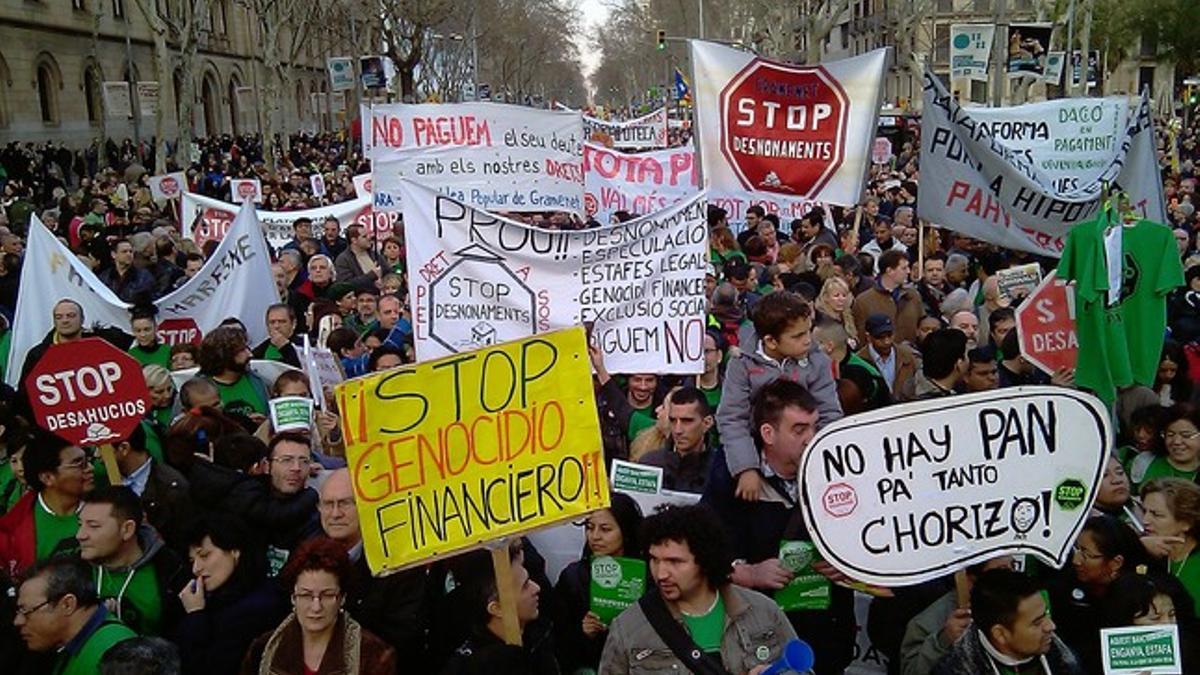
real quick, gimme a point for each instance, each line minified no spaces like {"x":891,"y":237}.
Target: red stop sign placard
{"x":1046,"y":326}
{"x":783,"y":127}
{"x":88,"y":392}
{"x":169,"y":186}
{"x":179,"y":332}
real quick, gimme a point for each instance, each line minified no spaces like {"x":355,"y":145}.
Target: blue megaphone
{"x":797,"y":657}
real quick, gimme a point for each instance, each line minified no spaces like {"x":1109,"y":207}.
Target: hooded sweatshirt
{"x":137,"y":589}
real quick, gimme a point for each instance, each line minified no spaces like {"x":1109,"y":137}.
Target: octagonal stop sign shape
{"x":88,"y":392}
{"x":1046,"y":326}
{"x":783,"y":127}
{"x":179,"y":332}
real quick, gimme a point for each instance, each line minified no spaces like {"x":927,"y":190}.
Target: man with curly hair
{"x":225,"y":361}
{"x":728,"y":628}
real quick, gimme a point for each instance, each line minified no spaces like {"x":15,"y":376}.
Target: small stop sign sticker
{"x":88,"y":392}
{"x":1046,"y":326}
{"x":169,"y":186}
{"x":783,"y":127}
{"x":179,"y":332}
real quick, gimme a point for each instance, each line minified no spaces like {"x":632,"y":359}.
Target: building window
{"x":1149,"y":46}
{"x":945,"y":6}
{"x":979,"y":91}
{"x":91,"y":95}
{"x":47,"y":86}
{"x":1146,"y":80}
{"x":941,"y":41}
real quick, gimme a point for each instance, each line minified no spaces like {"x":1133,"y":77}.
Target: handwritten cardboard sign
{"x":449,"y":454}
{"x":911,"y":492}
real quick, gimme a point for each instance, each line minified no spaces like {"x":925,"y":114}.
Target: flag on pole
{"x":683,"y":90}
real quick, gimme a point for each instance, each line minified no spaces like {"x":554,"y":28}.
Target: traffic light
{"x":662,"y":40}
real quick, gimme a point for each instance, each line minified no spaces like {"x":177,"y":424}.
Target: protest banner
{"x":478,"y":279}
{"x":647,"y":131}
{"x":639,"y":183}
{"x":502,"y":157}
{"x":1054,"y":67}
{"x":245,"y":190}
{"x":291,"y":413}
{"x":911,"y":492}
{"x":147,"y":94}
{"x":782,"y":135}
{"x":168,"y":185}
{"x":205,"y":218}
{"x":374,"y":74}
{"x":616,"y":583}
{"x":1021,"y":177}
{"x":1046,"y":326}
{"x":117,"y":103}
{"x":179,"y":332}
{"x":970,"y":50}
{"x":1028,"y":44}
{"x":634,"y":477}
{"x":518,"y":448}
{"x":1141,"y":650}
{"x":233,"y":282}
{"x":1018,"y":281}
{"x":341,"y":72}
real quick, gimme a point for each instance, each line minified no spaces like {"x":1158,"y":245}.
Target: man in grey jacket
{"x":690,"y":564}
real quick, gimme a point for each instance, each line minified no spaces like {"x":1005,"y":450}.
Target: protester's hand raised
{"x":956,"y":624}
{"x":769,"y":574}
{"x":1160,"y":546}
{"x":192,"y":595}
{"x":597,"y":358}
{"x":592,"y":626}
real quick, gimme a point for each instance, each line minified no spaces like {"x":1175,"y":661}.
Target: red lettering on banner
{"x":567,"y":171}
{"x":978,"y":202}
{"x":388,"y":131}
{"x":461,"y":130}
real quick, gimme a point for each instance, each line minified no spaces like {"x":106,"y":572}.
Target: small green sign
{"x":1070,"y":494}
{"x":616,"y":584}
{"x":1141,"y":649}
{"x":629,"y":477}
{"x":809,"y":589}
{"x":291,"y":413}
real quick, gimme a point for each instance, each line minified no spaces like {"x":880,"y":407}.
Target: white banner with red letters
{"x":493,"y":156}
{"x":479,"y":279}
{"x":1022,"y":177}
{"x":232,"y":283}
{"x":647,"y":131}
{"x":639,"y":183}
{"x":205,"y":218}
{"x":783,"y":135}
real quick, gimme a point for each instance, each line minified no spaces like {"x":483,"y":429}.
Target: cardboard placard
{"x":1141,"y":650}
{"x":632,"y":477}
{"x":291,"y":413}
{"x":616,"y":584}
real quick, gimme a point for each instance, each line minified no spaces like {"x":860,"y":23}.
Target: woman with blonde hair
{"x":833,"y":304}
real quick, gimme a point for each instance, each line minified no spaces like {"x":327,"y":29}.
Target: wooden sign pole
{"x":504,"y":588}
{"x":962,"y":591}
{"x":109,"y":455}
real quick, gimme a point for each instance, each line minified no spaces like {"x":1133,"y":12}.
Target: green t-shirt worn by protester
{"x":1161,"y":468}
{"x":160,"y":355}
{"x":241,"y":397}
{"x":81,"y":656}
{"x":642,"y":418}
{"x":49,"y":529}
{"x":10,"y":487}
{"x":1188,"y":573}
{"x":706,"y":630}
{"x":1120,"y":344}
{"x":137,"y":593}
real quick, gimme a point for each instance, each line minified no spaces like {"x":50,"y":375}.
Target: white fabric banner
{"x":782,"y":135}
{"x":205,"y":218}
{"x":970,"y":50}
{"x":232,"y":283}
{"x":1021,"y":177}
{"x":647,"y":131}
{"x":478,"y":279}
{"x":500,"y":157}
{"x":639,"y":183}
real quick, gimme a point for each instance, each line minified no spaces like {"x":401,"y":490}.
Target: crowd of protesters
{"x":230,"y":547}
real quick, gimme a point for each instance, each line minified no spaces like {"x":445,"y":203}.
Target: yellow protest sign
{"x":449,"y":454}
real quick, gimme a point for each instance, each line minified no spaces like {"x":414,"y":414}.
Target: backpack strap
{"x":694,"y":659}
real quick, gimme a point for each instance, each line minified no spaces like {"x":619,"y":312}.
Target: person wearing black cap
{"x":895,"y":362}
{"x":343,"y":294}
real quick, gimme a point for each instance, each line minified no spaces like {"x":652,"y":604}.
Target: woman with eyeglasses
{"x":229,"y":600}
{"x":318,"y":637}
{"x":1180,"y":450}
{"x":1149,"y":598}
{"x":1105,"y":550}
{"x":1173,"y":529}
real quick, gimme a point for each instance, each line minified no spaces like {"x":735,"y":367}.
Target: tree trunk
{"x":162,"y":70}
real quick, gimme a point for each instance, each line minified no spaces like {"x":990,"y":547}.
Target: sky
{"x":595,"y":12}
